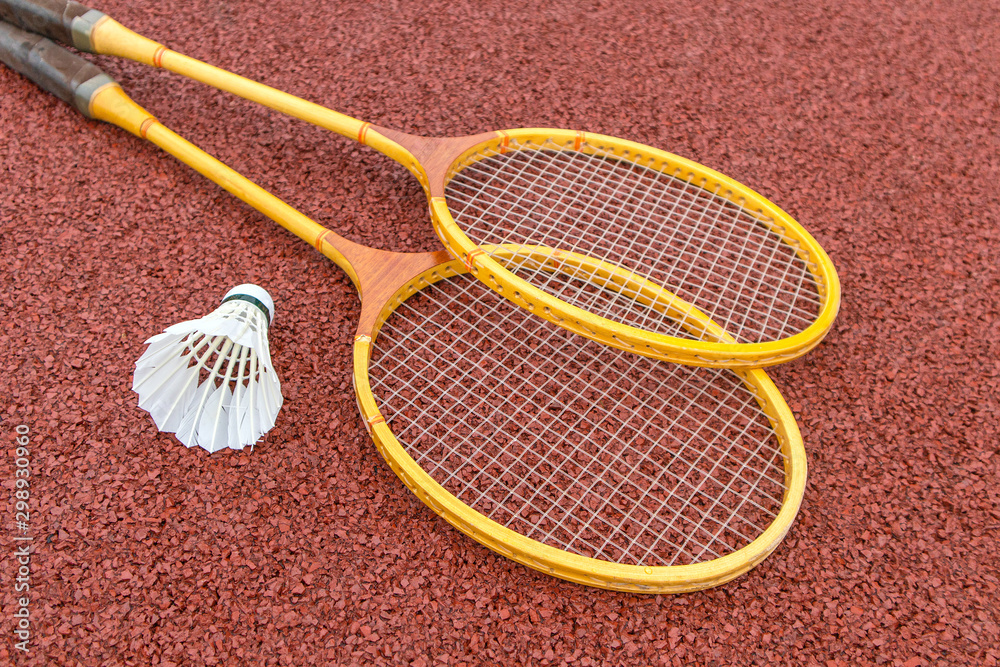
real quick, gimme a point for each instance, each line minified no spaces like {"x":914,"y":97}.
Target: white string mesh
{"x":701,"y":246}
{"x":572,"y":443}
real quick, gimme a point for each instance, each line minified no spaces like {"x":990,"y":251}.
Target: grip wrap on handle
{"x":53,"y":68}
{"x":52,"y":18}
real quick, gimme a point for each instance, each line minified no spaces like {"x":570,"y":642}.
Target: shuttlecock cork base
{"x":210,"y":381}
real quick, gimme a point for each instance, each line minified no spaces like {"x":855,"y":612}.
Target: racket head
{"x":381,"y":354}
{"x":732,"y":255}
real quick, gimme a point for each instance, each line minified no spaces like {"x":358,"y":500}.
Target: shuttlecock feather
{"x":210,"y":380}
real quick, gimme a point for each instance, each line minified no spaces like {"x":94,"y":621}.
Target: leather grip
{"x":67,"y":76}
{"x":52,"y":18}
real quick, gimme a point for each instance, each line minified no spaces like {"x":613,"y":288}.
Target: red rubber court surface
{"x":873,"y":124}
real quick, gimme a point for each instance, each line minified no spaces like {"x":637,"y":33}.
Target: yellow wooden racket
{"x":670,"y":243}
{"x":582,"y":461}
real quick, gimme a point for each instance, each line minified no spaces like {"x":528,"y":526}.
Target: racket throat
{"x":378,"y":275}
{"x":427,"y":158}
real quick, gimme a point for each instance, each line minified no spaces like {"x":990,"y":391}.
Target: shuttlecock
{"x":210,"y":380}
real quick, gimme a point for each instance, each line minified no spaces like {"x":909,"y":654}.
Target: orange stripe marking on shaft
{"x":363,"y":131}
{"x":580,"y":138}
{"x":158,"y":56}
{"x":319,"y":240}
{"x":471,"y":256}
{"x":146,"y":124}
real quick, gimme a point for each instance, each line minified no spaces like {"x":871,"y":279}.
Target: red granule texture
{"x":873,"y":123}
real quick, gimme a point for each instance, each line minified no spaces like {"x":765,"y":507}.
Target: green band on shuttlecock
{"x":252,"y":300}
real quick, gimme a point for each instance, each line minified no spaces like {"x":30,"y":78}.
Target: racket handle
{"x":54,"y":69}
{"x":64,"y":21}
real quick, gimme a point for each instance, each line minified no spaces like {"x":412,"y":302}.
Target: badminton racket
{"x":670,"y":241}
{"x":576,"y":459}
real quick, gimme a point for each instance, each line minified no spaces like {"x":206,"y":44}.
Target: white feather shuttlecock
{"x":210,"y":380}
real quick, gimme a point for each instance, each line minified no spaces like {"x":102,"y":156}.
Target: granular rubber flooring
{"x":874,"y":124}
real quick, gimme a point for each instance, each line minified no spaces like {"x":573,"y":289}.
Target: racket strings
{"x":712,"y":252}
{"x":528,"y":163}
{"x":619,"y":305}
{"x":571,"y":443}
{"x":688,"y":211}
{"x":502,"y":363}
